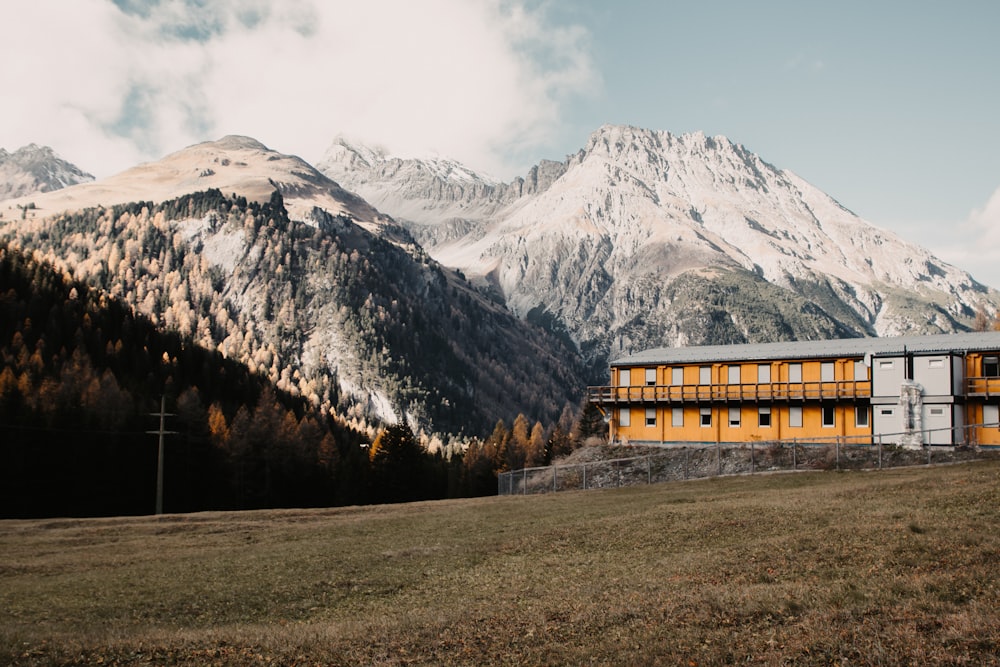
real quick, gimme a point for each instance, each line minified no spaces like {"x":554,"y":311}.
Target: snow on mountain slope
{"x":427,"y":191}
{"x":233,"y":164}
{"x":32,"y":169}
{"x":618,"y":241}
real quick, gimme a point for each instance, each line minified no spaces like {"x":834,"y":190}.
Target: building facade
{"x":912,"y":390}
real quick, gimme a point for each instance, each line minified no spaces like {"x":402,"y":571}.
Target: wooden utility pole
{"x":162,"y":414}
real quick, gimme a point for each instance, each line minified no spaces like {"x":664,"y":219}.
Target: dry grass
{"x":893,"y":567}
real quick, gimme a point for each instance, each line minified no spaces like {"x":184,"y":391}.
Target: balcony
{"x":749,"y":393}
{"x":982,"y":387}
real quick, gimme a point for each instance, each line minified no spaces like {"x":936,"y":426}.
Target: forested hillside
{"x":81,"y":379}
{"x":328,"y":311}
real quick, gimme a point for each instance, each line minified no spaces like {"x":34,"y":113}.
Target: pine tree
{"x":395,"y":460}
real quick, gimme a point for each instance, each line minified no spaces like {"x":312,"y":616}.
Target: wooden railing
{"x":982,"y":386}
{"x":700,"y":393}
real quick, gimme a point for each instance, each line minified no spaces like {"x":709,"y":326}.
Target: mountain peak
{"x":233,"y":164}
{"x":33,"y":168}
{"x":238,"y":142}
{"x":624,"y":137}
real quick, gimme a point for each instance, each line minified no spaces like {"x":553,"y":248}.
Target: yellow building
{"x":912,"y":390}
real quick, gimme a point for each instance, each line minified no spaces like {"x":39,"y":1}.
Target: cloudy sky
{"x":890,"y":106}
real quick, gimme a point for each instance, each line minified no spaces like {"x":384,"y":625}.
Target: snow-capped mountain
{"x":33,"y":168}
{"x":646,"y":238}
{"x":258,"y":255}
{"x":640,"y":239}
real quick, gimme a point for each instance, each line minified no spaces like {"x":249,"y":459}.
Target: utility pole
{"x":162,"y":414}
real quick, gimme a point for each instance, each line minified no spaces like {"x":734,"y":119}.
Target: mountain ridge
{"x":635,"y":210}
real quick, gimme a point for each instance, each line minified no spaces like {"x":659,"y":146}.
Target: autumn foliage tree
{"x":80,"y":374}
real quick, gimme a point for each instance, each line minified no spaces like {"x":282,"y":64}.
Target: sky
{"x":890,"y":106}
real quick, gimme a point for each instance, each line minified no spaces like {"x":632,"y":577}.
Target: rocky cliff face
{"x":33,"y":169}
{"x":644,"y":238}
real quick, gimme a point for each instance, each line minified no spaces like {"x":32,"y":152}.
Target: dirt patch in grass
{"x":890,"y":567}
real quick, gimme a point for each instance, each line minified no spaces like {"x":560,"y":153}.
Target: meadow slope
{"x":891,"y":567}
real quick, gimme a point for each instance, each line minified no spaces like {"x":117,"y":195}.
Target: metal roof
{"x":817,"y":349}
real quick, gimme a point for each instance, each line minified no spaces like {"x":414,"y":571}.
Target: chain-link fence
{"x":681,"y":462}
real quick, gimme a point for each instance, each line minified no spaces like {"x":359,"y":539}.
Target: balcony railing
{"x":702,"y":393}
{"x":982,"y":386}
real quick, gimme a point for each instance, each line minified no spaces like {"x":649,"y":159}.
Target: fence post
{"x":795,"y":454}
{"x":584,"y":476}
{"x":753,"y":462}
{"x":524,"y":481}
{"x":618,"y":471}
{"x":649,"y":470}
{"x":928,"y":453}
{"x":554,"y":486}
{"x":837,"y":445}
{"x":718,"y":455}
{"x":687,"y":461}
{"x":879,"y":451}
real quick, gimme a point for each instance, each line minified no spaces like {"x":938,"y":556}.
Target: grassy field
{"x":892,"y":567}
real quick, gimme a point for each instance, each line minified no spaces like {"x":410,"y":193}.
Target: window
{"x":991,"y":415}
{"x":795,"y":416}
{"x":885,"y":365}
{"x":861,"y":416}
{"x":677,"y":417}
{"x":677,"y":375}
{"x":706,"y":416}
{"x":935,"y":363}
{"x":860,"y":371}
{"x":828,"y":416}
{"x":826,"y":371}
{"x":734,"y":417}
{"x":705,"y":375}
{"x":625,"y":417}
{"x":624,"y":377}
{"x":650,"y":376}
{"x":991,"y":367}
{"x":734,"y":375}
{"x":763,"y":373}
{"x":937,"y":412}
{"x":795,"y":372}
{"x":650,"y":416}
{"x":764,"y":417}
{"x":887,"y":412}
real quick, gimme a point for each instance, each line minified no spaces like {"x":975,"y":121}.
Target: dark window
{"x":991,"y":367}
{"x":828,"y":415}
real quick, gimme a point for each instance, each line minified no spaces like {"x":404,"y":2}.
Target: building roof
{"x":817,"y":349}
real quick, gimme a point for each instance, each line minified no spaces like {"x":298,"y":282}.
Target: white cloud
{"x":475,"y":79}
{"x":973,"y":245}
{"x":987,"y":219}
